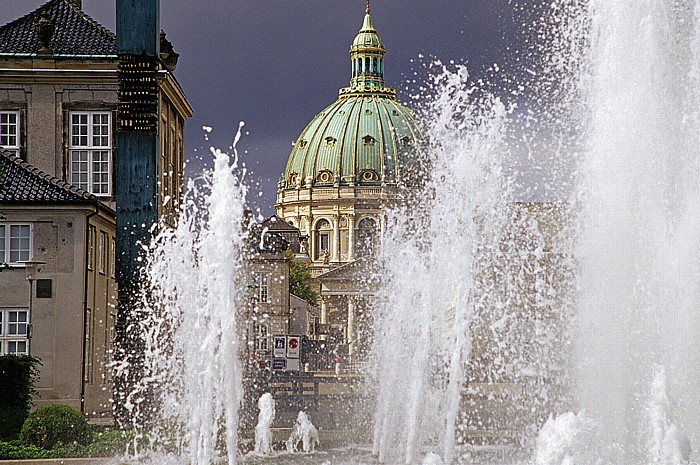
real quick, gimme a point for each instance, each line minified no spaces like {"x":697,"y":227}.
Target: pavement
{"x":83,"y":461}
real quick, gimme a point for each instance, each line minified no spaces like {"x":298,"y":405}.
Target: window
{"x":15,"y":242}
{"x":14,"y":327}
{"x":323,"y":241}
{"x":323,"y":236}
{"x":263,"y":282}
{"x":113,"y":259}
{"x":87,"y":373}
{"x":90,"y":246}
{"x":9,"y":131}
{"x":91,"y":152}
{"x":102,"y":253}
{"x":261,"y":336}
{"x":366,"y":237}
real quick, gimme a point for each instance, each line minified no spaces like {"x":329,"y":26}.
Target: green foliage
{"x":107,"y":443}
{"x":300,"y":280}
{"x":18,"y":374}
{"x":18,"y":450}
{"x":47,"y":426}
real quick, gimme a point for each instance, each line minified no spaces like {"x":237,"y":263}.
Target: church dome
{"x":365,"y":137}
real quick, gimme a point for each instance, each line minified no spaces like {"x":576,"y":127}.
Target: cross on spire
{"x":367,"y":9}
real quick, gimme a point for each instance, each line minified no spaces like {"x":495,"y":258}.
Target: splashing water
{"x":263,"y":430}
{"x":640,"y":234}
{"x":186,"y":408}
{"x":422,"y":327}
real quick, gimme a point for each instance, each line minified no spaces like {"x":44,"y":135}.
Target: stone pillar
{"x":351,"y":326}
{"x":351,"y":237}
{"x":324,"y":311}
{"x":335,"y":253}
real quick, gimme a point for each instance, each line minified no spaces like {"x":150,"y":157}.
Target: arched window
{"x":366,"y":237}
{"x":322,"y":247}
{"x":375,"y":67}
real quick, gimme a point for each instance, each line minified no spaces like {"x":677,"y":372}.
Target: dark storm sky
{"x":276,"y":63}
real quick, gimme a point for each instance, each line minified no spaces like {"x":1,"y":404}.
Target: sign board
{"x":292,"y":364}
{"x":293,"y":347}
{"x":279,"y":364}
{"x":279,"y":347}
{"x":286,"y":352}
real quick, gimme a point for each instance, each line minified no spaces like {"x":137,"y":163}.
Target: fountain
{"x":570,"y":328}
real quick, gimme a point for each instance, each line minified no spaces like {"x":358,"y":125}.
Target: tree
{"x":300,"y":279}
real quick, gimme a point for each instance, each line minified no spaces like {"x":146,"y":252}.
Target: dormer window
{"x":368,"y":140}
{"x":302,"y":144}
{"x":325,"y":177}
{"x":369,"y":175}
{"x":368,"y":112}
{"x":406,"y":141}
{"x":395,"y":112}
{"x":293,"y":177}
{"x":330,"y":141}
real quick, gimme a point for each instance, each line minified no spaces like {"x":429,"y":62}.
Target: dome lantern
{"x":367,"y":57}
{"x":366,"y":137}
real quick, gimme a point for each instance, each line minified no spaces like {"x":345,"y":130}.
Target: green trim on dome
{"x":355,"y":135}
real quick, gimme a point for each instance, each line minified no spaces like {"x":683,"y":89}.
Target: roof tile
{"x":22,"y":182}
{"x":75,"y":32}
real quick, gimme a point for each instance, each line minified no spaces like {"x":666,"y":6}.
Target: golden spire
{"x":367,"y":9}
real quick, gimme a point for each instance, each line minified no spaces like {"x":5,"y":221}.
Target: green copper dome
{"x":366,"y":137}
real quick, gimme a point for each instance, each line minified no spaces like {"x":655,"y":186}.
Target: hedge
{"x":18,"y":374}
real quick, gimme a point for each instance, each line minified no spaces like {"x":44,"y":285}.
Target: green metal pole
{"x":138,"y":46}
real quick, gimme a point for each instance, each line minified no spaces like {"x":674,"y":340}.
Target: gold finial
{"x":367,"y":9}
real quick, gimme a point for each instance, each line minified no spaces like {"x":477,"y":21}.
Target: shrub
{"x":18,"y":373}
{"x":51,"y":424}
{"x":13,"y":450}
{"x":109,"y":443}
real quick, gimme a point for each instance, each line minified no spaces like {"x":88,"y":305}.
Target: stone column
{"x":351,"y":325}
{"x":335,"y":254}
{"x":351,"y":237}
{"x":324,"y":311}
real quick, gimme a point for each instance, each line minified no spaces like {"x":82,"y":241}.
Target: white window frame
{"x":261,"y":333}
{"x":102,"y":252}
{"x":6,"y":132}
{"x":90,"y":144}
{"x":6,"y":239}
{"x":263,"y":282}
{"x":9,"y":339}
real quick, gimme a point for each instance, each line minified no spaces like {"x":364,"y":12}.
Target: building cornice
{"x":171,"y":87}
{"x":58,"y":76}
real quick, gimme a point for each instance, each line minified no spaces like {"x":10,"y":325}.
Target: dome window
{"x":395,"y":112}
{"x":369,"y":175}
{"x":302,"y":143}
{"x":325,"y":176}
{"x":406,"y":141}
{"x":368,"y":140}
{"x":330,"y":141}
{"x":368,"y":112}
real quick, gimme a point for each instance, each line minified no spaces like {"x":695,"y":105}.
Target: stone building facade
{"x":70,"y":323}
{"x":346,"y":168}
{"x":58,"y":120}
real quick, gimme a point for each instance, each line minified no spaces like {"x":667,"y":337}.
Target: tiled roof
{"x":275,"y":223}
{"x":75,"y":32}
{"x":22,"y":182}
